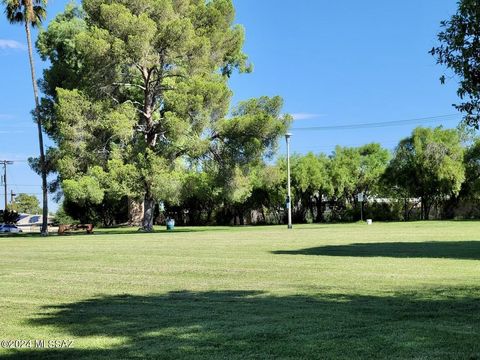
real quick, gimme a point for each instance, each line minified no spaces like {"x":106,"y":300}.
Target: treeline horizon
{"x":432,"y":174}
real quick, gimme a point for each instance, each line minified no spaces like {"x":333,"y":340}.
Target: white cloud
{"x":11,"y":44}
{"x":305,"y":116}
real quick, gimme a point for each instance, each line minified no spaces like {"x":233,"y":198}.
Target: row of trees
{"x":434,"y":168}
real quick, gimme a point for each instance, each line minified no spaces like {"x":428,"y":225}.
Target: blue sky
{"x":333,"y":62}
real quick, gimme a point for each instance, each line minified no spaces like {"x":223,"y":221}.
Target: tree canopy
{"x":428,"y":165}
{"x":27,"y":204}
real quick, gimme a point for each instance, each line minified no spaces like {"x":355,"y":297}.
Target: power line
{"x":328,"y":149}
{"x":19,"y":161}
{"x":24,"y":185}
{"x":381,"y":124}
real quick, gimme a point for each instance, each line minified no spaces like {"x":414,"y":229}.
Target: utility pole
{"x":12,"y":196}
{"x":5,"y":163}
{"x":289,"y":194}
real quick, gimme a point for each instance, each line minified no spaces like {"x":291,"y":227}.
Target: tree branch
{"x":127,"y":84}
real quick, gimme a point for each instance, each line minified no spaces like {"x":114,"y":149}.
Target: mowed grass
{"x":396,"y":291}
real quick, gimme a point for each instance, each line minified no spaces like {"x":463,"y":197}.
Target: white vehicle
{"x":7,"y":228}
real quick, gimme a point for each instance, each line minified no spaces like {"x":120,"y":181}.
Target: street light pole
{"x":289,"y":194}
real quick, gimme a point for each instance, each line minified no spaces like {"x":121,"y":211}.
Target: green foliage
{"x":8,"y":216}
{"x":90,"y":133}
{"x":354,"y":171}
{"x":357,"y":170}
{"x":311,"y":183}
{"x":21,"y":11}
{"x":109,"y":212}
{"x":162,"y":176}
{"x":373,"y":162}
{"x":199,"y":196}
{"x":460,"y":52}
{"x":85,"y":189}
{"x":384,"y":211}
{"x":269,"y":193}
{"x":61,"y":217}
{"x":471,"y":186}
{"x":252,"y":132}
{"x":27,"y":204}
{"x":428,"y":165}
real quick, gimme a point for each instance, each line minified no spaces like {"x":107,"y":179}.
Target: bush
{"x":8,"y":216}
{"x":61,"y":217}
{"x":383,"y":211}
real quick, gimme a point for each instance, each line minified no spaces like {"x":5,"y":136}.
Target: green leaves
{"x":26,"y":204}
{"x":428,"y":164}
{"x":85,"y":189}
{"x":460,"y":52}
{"x":253,"y":131}
{"x":19,"y":11}
{"x":89,"y":131}
{"x":356,"y":170}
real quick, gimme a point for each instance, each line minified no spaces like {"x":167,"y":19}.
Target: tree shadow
{"x":252,"y":324}
{"x":467,"y":250}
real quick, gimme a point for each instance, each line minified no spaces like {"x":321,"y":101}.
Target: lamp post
{"x":289,"y":195}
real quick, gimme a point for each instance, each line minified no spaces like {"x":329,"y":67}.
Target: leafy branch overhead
{"x":459,"y":51}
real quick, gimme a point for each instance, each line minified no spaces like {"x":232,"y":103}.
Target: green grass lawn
{"x":396,"y":291}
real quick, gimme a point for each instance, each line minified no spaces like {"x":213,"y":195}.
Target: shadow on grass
{"x":468,"y":250}
{"x":251,"y":324}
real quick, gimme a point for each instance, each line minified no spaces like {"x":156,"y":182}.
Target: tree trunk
{"x":43,"y":169}
{"x":241,"y":218}
{"x":151,"y":140}
{"x":135,"y":212}
{"x":422,"y":206}
{"x":428,"y":207}
{"x":319,"y":217}
{"x":149,"y":210}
